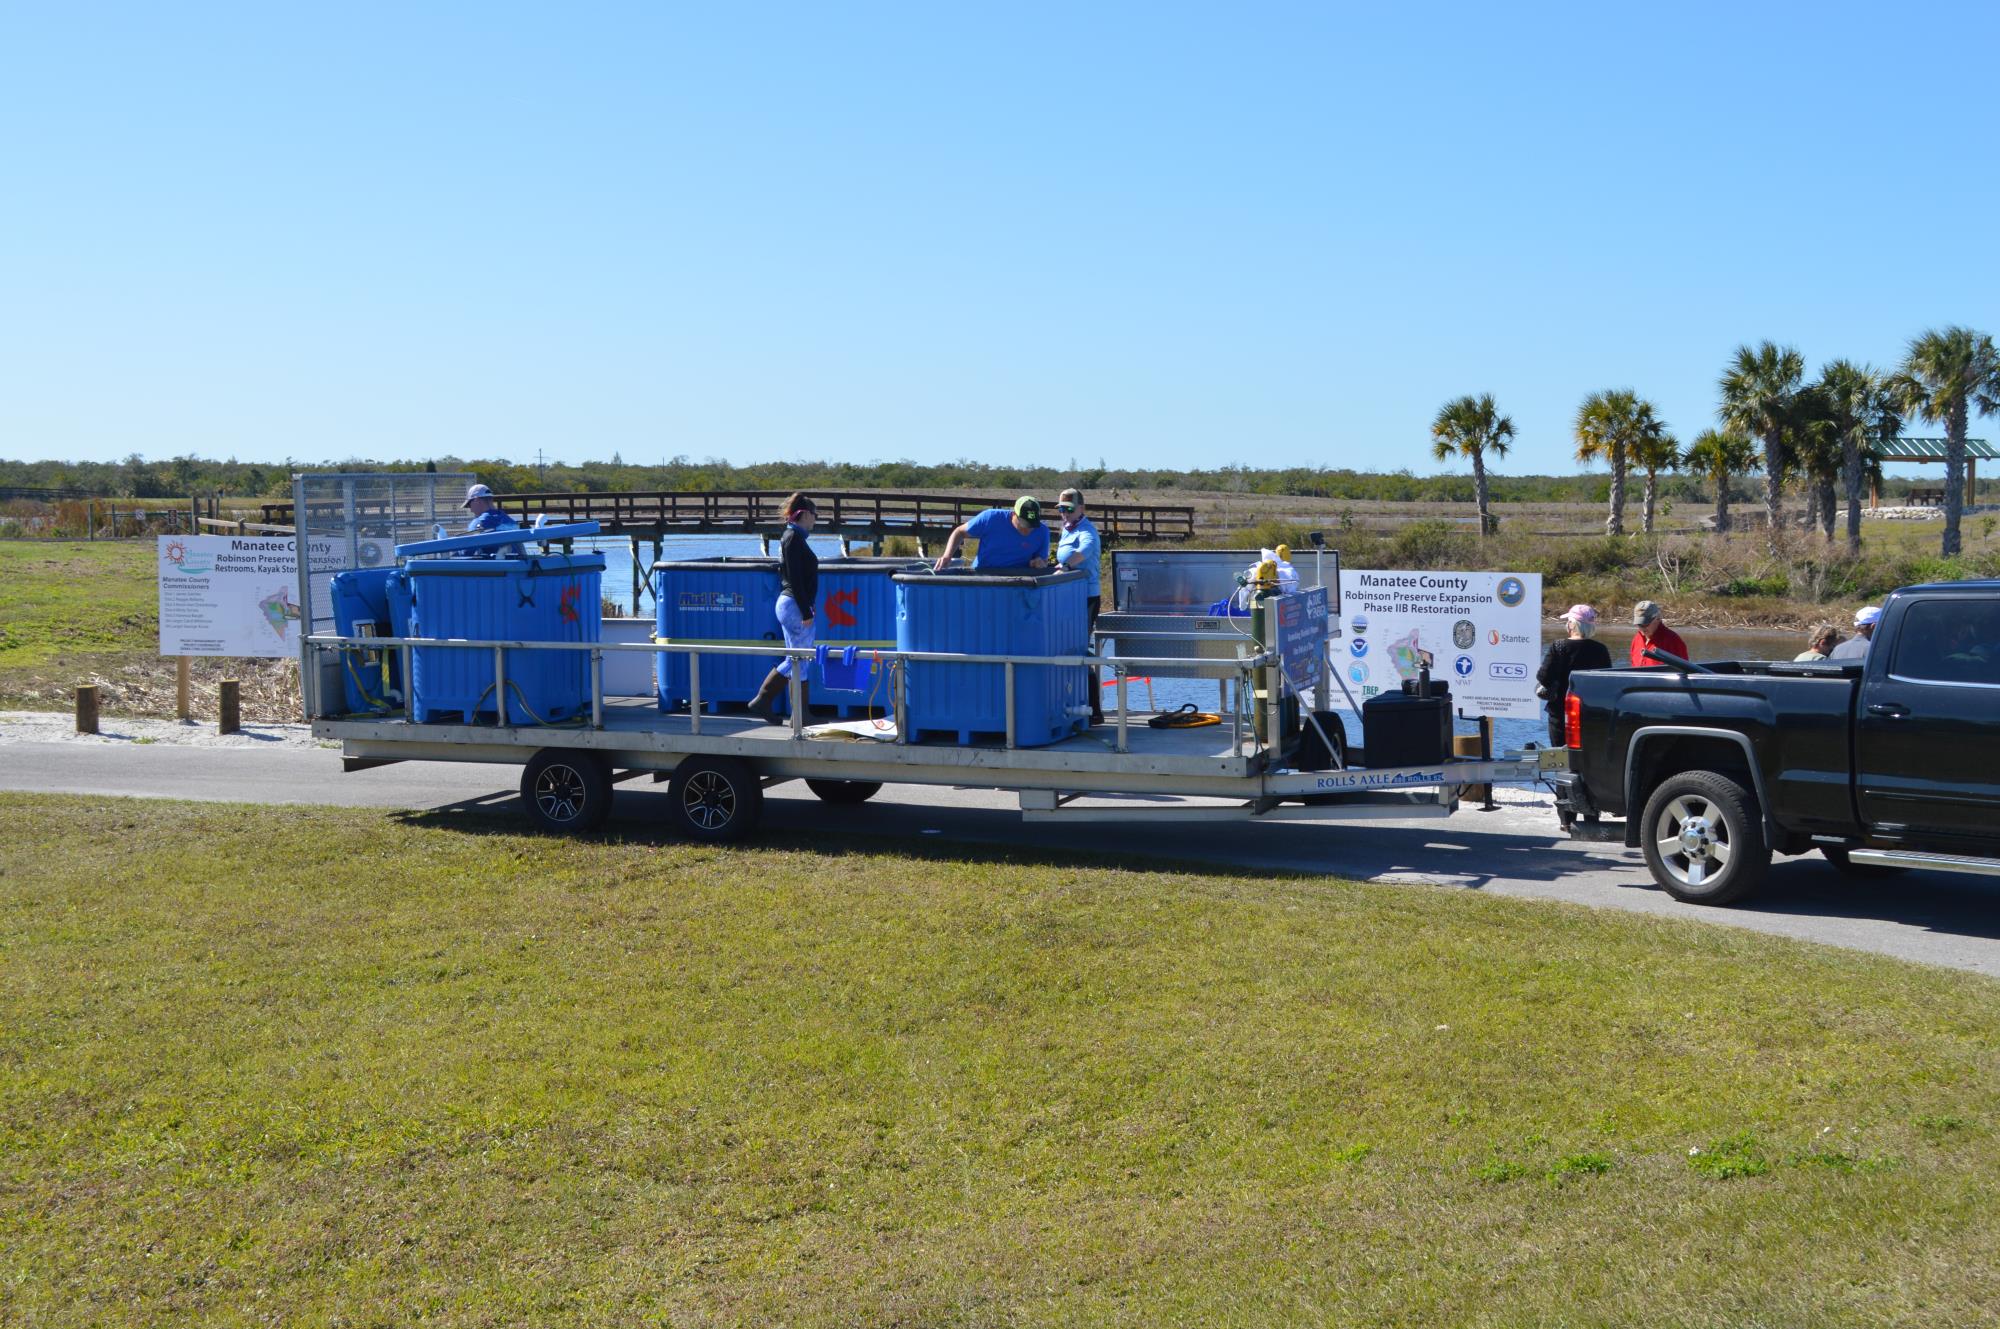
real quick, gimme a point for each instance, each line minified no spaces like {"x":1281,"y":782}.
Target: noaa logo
{"x":1507,"y":669}
{"x":1464,"y":633}
{"x":1359,"y":623}
{"x":1511,"y":591}
{"x":1357,"y":673}
{"x":1463,"y":666}
{"x":1358,"y":647}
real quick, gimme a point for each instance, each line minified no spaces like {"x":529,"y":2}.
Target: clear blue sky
{"x":1157,"y":234}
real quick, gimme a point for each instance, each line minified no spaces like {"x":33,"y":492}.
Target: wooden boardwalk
{"x":863,"y":516}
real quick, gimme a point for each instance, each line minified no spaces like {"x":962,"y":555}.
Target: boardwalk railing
{"x":862,"y":515}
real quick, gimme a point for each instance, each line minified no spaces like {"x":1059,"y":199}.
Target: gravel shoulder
{"x":116,"y":731}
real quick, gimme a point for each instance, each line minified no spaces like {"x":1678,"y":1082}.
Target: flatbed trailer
{"x":718,"y":765}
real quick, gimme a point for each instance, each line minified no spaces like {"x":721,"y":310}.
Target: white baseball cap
{"x":476,"y":491}
{"x":1865,"y":618}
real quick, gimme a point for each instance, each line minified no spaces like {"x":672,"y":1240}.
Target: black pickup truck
{"x":1881,"y":764}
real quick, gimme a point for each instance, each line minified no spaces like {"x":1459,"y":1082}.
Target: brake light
{"x":1573,"y":720}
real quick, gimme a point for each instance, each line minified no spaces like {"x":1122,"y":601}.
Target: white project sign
{"x":1481,"y":632}
{"x":228,"y":595}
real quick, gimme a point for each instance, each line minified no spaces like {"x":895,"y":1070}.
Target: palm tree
{"x":1654,"y":449}
{"x":1720,"y":455}
{"x":1757,"y":390}
{"x":1605,"y":424}
{"x":1865,"y":417}
{"x":1813,"y":445}
{"x":1469,"y":427}
{"x":1947,"y":372}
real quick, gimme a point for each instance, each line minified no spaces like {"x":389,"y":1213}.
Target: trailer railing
{"x":1241,"y":670}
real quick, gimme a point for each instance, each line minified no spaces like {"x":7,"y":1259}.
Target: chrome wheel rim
{"x":559,"y":793}
{"x":709,"y":800}
{"x":1692,"y":839}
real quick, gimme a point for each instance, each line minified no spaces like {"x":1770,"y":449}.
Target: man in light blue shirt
{"x":1080,"y":549}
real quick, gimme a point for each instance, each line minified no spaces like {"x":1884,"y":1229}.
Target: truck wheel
{"x":845,"y":791}
{"x":717,"y":799}
{"x":1847,"y":867}
{"x":1703,"y":837}
{"x":566,"y":792}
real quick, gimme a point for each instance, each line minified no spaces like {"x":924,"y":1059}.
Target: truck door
{"x":1927,"y":731}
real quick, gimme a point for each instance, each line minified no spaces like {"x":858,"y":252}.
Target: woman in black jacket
{"x":1574,"y":652}
{"x":798,"y":592}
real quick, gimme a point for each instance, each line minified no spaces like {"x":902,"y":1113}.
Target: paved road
{"x":1932,"y":918}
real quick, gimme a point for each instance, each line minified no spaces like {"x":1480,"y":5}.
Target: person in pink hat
{"x":1579,"y":650}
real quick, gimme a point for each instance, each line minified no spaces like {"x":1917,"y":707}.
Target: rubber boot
{"x":765,"y":703}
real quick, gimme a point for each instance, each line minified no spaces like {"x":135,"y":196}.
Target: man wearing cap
{"x":1856,"y":647}
{"x":1579,"y":650}
{"x":1079,"y":550}
{"x":1653,"y":633}
{"x":1007,"y":539}
{"x":487,"y":516}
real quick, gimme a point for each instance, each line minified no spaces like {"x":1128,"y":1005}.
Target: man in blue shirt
{"x":487,"y":516}
{"x":1007,"y":540}
{"x":1080,"y":549}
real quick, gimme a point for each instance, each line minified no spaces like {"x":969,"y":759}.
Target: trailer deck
{"x":1072,"y":779}
{"x":636,"y":734}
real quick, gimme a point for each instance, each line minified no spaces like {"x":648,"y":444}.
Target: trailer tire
{"x":1703,"y":837}
{"x":716,"y":799}
{"x":845,"y":792}
{"x":566,"y":792}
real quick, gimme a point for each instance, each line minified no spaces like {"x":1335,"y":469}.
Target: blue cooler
{"x":973,"y":613}
{"x":715,"y":602}
{"x":377,"y":601}
{"x":553,"y":597}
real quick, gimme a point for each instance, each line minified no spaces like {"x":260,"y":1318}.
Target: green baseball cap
{"x":1028,"y":508}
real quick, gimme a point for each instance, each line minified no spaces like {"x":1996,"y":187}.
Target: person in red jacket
{"x":1653,"y":632}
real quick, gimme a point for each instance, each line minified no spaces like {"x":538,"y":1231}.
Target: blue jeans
{"x":799,"y":630}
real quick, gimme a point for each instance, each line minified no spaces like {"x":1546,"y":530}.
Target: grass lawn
{"x":63,"y":599}
{"x":316,"y":1067}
